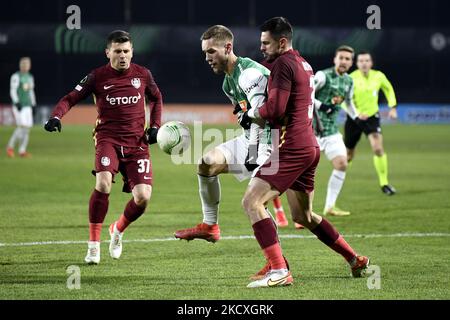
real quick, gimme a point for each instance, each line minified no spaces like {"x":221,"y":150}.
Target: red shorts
{"x":295,"y":169}
{"x":132,"y":162}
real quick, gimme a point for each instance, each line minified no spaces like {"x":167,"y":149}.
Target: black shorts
{"x":352,"y":132}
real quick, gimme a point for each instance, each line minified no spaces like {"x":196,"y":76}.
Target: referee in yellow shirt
{"x":367,"y":83}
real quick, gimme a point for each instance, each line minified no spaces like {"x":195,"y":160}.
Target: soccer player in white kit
{"x":245,"y":85}
{"x":23,"y":100}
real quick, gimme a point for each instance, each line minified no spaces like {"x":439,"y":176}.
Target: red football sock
{"x":98,"y":207}
{"x":277,"y":204}
{"x":266,"y":235}
{"x":132,"y":213}
{"x":122,"y":223}
{"x":329,"y":235}
{"x":342,"y":247}
{"x":95,"y":229}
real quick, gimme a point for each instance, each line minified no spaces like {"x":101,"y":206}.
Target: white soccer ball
{"x":174,"y":137}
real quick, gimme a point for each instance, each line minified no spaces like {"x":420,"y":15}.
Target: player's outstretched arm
{"x":81,"y":91}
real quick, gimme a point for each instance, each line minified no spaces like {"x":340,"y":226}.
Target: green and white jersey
{"x":22,"y":89}
{"x":246,"y":87}
{"x":328,"y":84}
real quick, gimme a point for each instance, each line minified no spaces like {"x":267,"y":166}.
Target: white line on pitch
{"x":282,"y":236}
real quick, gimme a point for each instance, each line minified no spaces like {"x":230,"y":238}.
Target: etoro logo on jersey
{"x":123,"y":100}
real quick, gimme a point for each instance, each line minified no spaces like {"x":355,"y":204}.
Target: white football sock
{"x":209,"y":190}
{"x":15,"y":136}
{"x":24,"y":140}
{"x":334,"y":187}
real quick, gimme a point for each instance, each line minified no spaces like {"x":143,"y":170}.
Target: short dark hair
{"x":346,"y":49}
{"x":364,"y":52}
{"x":118,"y":36}
{"x":218,"y":32}
{"x":279,"y":27}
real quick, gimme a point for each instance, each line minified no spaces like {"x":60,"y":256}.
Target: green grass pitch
{"x":46,"y":199}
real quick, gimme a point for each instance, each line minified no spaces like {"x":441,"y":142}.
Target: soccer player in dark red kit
{"x":289,"y":108}
{"x":121,"y":136}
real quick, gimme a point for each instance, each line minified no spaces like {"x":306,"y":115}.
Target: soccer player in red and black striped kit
{"x":121,"y":136}
{"x":289,"y":108}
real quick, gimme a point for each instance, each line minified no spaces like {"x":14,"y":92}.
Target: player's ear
{"x":283,"y":42}
{"x":107,"y":52}
{"x":228,"y":47}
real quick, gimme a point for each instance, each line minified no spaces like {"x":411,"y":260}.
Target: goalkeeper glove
{"x":53,"y":124}
{"x":18,"y":105}
{"x":243,"y":118}
{"x":252,"y":155}
{"x":327,"y":108}
{"x":151,"y":134}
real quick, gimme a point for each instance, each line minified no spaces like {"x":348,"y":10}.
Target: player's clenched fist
{"x":53,"y":124}
{"x":337,"y":99}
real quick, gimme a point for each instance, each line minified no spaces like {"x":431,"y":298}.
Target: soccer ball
{"x":174,"y":137}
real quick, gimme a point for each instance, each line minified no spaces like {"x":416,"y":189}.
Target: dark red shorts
{"x":291,"y":169}
{"x":132,"y":162}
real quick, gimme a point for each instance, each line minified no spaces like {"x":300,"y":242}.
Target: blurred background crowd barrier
{"x":412,"y":47}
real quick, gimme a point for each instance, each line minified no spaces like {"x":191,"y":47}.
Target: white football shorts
{"x":235,"y":152}
{"x":332,"y":146}
{"x":24,"y":117}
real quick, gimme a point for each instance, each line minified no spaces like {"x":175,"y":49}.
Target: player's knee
{"x":350,"y":155}
{"x":103,"y":186}
{"x":207,"y":166}
{"x":378,"y":151}
{"x":340,"y":164}
{"x":142,"y":198}
{"x":249,"y":203}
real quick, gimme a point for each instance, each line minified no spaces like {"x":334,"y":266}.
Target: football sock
{"x":266,"y":235}
{"x":329,"y":236}
{"x":335,"y":184}
{"x":277,"y":205}
{"x":15,"y":136}
{"x":132,"y":213}
{"x":95,"y":229}
{"x":209,"y":190}
{"x":24,"y":140}
{"x":381,"y":167}
{"x":98,"y":207}
{"x":122,"y":223}
{"x":343,"y":248}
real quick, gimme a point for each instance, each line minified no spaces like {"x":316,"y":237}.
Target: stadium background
{"x":43,"y":200}
{"x":412,"y":47}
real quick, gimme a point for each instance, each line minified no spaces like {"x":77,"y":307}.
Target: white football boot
{"x":93,"y":253}
{"x":115,"y":245}
{"x":273,"y":278}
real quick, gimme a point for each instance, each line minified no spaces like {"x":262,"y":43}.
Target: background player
{"x":289,"y":108}
{"x":332,"y":87}
{"x":368,"y":83}
{"x":245,"y":85}
{"x":121,"y":142}
{"x":23,"y":100}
